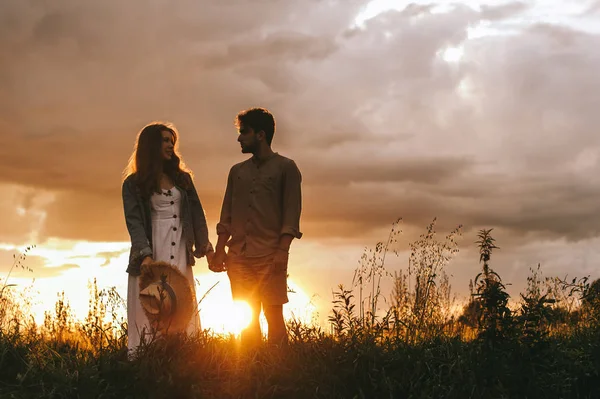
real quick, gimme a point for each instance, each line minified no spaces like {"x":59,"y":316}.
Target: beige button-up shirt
{"x":262,"y":202}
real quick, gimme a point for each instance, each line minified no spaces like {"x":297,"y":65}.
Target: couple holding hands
{"x":260,"y":217}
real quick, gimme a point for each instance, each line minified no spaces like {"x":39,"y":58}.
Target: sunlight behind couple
{"x":221,"y":315}
{"x":229,"y":317}
{"x":104,"y":262}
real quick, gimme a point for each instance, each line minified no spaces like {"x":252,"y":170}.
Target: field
{"x":545,"y":344}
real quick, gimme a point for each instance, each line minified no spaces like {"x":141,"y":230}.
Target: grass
{"x":323,"y":367}
{"x":546,"y":346}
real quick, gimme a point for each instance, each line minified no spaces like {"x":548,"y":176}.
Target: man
{"x":260,"y":217}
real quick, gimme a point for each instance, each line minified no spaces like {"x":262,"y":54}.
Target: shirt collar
{"x":259,"y":162}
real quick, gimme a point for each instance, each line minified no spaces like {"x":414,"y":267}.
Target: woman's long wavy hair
{"x":147,"y":164}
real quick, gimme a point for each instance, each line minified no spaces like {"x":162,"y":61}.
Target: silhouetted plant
{"x":431,"y":297}
{"x":61,"y":324}
{"x":413,"y":313}
{"x":472,"y":311}
{"x":535,"y":310}
{"x":344,"y":319}
{"x":99,"y":331}
{"x":370,"y":271}
{"x":400,"y":305}
{"x":18,"y":263}
{"x":496,"y":317}
{"x":575,"y":291}
{"x":591,"y":299}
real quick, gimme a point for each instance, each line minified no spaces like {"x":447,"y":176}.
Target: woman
{"x":164,"y":218}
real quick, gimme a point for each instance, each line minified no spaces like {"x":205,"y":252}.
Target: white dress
{"x":168,"y":246}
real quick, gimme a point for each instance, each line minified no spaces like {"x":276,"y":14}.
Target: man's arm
{"x":224,"y":225}
{"x":222,"y":240}
{"x":292,"y":205}
{"x":285,"y":241}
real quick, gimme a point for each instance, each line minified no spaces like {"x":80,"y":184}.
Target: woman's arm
{"x":201,"y":241}
{"x":140,"y":245}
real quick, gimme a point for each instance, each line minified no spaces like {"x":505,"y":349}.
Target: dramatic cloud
{"x":474,"y":114}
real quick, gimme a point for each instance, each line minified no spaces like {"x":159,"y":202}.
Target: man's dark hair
{"x":258,"y":119}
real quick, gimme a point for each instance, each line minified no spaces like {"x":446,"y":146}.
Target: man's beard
{"x":249,"y":149}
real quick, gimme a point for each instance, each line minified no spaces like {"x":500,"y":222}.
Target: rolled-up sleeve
{"x":224,"y":225}
{"x":134,"y":220}
{"x":292,"y":200}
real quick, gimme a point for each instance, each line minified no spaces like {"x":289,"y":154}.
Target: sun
{"x":452,"y":54}
{"x":220,"y":314}
{"x":229,"y":317}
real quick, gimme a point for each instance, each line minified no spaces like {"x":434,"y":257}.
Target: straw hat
{"x":166,"y":297}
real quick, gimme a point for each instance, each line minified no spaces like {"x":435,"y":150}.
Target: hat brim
{"x":186,"y":301}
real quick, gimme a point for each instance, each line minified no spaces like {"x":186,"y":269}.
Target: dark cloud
{"x":594,"y":8}
{"x":288,"y":47}
{"x":379,"y":123}
{"x":503,"y":11}
{"x":329,"y":171}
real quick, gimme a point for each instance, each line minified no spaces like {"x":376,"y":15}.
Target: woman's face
{"x":168,"y":145}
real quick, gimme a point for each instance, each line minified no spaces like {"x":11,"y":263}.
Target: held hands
{"x":209,"y":256}
{"x":216,"y":262}
{"x":207,"y":251}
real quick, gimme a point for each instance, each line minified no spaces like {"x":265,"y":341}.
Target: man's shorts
{"x":253,"y":279}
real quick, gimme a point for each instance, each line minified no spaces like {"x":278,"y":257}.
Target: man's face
{"x":248,"y":139}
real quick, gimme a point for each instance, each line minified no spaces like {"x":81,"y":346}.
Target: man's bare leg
{"x":252,"y":335}
{"x":277,"y":332}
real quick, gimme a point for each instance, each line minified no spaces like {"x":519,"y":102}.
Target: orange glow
{"x":106,"y":262}
{"x":230,"y":317}
{"x":221,"y":315}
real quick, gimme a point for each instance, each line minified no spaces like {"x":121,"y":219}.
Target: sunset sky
{"x":478,"y":113}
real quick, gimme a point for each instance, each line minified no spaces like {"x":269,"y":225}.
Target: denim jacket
{"x":139,"y":225}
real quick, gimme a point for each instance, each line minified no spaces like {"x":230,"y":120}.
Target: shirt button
{"x":172,"y":257}
{"x":174,"y":216}
{"x":172,"y":202}
{"x":174,"y":228}
{"x":172,"y":243}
